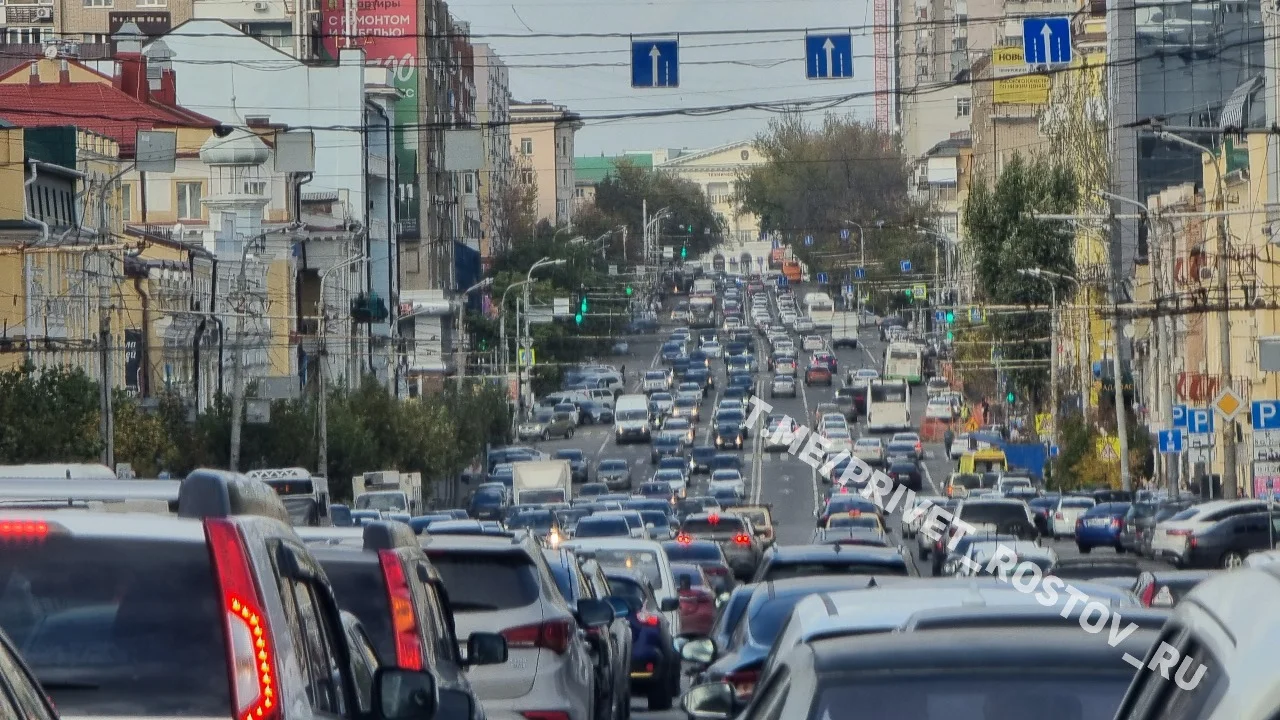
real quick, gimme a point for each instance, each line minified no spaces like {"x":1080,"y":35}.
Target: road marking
{"x":603,"y":443}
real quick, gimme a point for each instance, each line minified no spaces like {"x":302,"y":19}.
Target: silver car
{"x":496,"y":583}
{"x":783,"y":386}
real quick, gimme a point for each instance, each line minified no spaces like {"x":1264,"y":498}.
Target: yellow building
{"x":716,"y":171}
{"x":542,"y":146}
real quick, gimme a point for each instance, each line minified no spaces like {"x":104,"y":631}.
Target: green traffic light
{"x":584,"y":305}
{"x":629,"y":290}
{"x":951,"y":317}
{"x":578,"y":318}
{"x":950,"y":336}
{"x":1010,"y":398}
{"x":684,"y":252}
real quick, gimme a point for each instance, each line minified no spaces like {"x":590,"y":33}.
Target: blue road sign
{"x":1180,"y":417}
{"x":1266,"y":414}
{"x":782,"y":281}
{"x":776,"y":244}
{"x":808,"y":240}
{"x":1200,"y":421}
{"x":975,"y":315}
{"x":760,"y":262}
{"x":1046,"y":40}
{"x":1053,"y":451}
{"x":940,"y":316}
{"x":844,"y":234}
{"x":828,"y":57}
{"x":905,"y":265}
{"x":859,"y":273}
{"x":1170,"y":441}
{"x":655,"y":63}
{"x":822,"y":278}
{"x":848,"y":289}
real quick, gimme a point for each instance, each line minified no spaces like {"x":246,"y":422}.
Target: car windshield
{"x":726,"y":475}
{"x":973,"y":693}
{"x":118,"y":627}
{"x":993,"y":513}
{"x":669,"y":476}
{"x":702,"y":551}
{"x":643,"y":561}
{"x":967,"y":481}
{"x":613,"y":465}
{"x":657,"y":518}
{"x":854,"y":521}
{"x":783,"y":571}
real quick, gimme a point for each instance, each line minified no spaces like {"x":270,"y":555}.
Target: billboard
{"x":387,"y":31}
{"x":1019,"y":87}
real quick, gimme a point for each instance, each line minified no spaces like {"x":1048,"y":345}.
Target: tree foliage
{"x":514,"y":206}
{"x":48,"y":415}
{"x":1003,"y":238}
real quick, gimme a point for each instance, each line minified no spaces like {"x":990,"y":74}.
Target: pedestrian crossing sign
{"x":1108,"y":448}
{"x":526,"y":358}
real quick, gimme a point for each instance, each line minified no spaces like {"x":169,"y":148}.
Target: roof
{"x":851,"y":553}
{"x":950,"y":147}
{"x":97,"y":106}
{"x":593,"y":170}
{"x":980,"y":650}
{"x":788,"y":587}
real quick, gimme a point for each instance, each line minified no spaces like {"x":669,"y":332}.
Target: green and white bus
{"x":904,"y":361}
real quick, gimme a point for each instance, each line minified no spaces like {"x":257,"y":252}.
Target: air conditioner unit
{"x":261,"y":7}
{"x":44,"y":13}
{"x":1206,"y":273}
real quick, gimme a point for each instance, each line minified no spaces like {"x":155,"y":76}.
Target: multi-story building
{"x":715,"y":171}
{"x":542,"y":142}
{"x":493,"y":113}
{"x":933,"y":72}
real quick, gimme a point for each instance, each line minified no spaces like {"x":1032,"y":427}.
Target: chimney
{"x":64,"y":73}
{"x":34,"y":77}
{"x":161,"y":81}
{"x":131,"y":66}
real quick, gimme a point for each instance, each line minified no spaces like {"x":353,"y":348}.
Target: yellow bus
{"x":983,"y":460}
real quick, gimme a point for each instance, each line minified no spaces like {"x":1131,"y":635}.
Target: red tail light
{"x":1116,"y":522}
{"x":251,"y":653}
{"x":1192,"y":542}
{"x":404,"y":622}
{"x":545,"y":715}
{"x":1148,"y":595}
{"x":553,"y":635}
{"x":24,"y":530}
{"x":742,"y":539}
{"x":649,"y":619}
{"x":1177,"y":532}
{"x":683,"y":539}
{"x":743,"y":681}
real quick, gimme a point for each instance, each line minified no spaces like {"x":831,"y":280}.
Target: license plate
{"x":1099,"y":522}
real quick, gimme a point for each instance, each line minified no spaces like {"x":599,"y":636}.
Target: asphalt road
{"x":783,"y":481}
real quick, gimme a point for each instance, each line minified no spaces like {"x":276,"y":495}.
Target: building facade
{"x":493,"y":113}
{"x":716,"y":171}
{"x":542,"y":143}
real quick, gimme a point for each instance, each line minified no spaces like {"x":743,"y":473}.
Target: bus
{"x":888,"y":406}
{"x":305,"y":497}
{"x":702,"y":312}
{"x":821,"y":309}
{"x":791,"y":271}
{"x":904,"y":361}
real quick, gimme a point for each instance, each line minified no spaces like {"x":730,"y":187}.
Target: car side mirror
{"x":595,"y":613}
{"x":404,"y":694}
{"x":699,"y":651}
{"x":619,"y":605}
{"x":484,"y":648}
{"x":669,"y":604}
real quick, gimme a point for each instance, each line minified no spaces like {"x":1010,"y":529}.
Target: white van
{"x":631,"y":419}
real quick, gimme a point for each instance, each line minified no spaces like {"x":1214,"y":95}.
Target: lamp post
{"x":862,"y":256}
{"x":1229,"y":486}
{"x":528,"y":280}
{"x":237,"y":378}
{"x":460,"y":358}
{"x":502,"y":327}
{"x":1051,"y":277}
{"x":322,"y":462}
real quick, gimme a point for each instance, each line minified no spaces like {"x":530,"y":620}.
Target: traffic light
{"x":951,"y":316}
{"x":629,"y":290}
{"x":1010,"y":397}
{"x":578,"y":318}
{"x":582,"y":309}
{"x":908,"y":291}
{"x":684,"y":252}
{"x":951,"y":336}
{"x":484,"y":344}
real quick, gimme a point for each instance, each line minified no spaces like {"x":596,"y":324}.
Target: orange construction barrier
{"x":932,"y":430}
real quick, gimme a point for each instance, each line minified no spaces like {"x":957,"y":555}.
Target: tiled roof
{"x":592,"y":170}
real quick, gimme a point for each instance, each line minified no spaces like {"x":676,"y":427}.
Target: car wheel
{"x":1232,"y":559}
{"x":546,"y":436}
{"x":568,"y":433}
{"x":660,"y":697}
{"x":1119,"y":549}
{"x":1084,"y":549}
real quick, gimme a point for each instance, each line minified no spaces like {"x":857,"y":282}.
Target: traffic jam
{"x":654,"y":542}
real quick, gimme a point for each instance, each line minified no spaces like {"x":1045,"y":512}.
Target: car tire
{"x":660,"y":697}
{"x":1120,"y":549}
{"x":1084,"y":549}
{"x":1232,"y":559}
{"x":568,"y":433}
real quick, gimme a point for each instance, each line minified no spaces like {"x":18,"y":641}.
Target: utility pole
{"x":107,"y":411}
{"x":237,"y":377}
{"x":322,"y":462}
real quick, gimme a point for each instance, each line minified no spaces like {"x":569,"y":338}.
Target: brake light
{"x":1182,"y":531}
{"x":743,"y":681}
{"x":1192,"y":542}
{"x":552,"y":635}
{"x":404,"y":623}
{"x":742,"y":539}
{"x":1148,"y":595}
{"x":24,"y":530}
{"x":684,"y":539}
{"x":251,"y":653}
{"x":713,"y":518}
{"x":649,"y":619}
{"x":545,"y":715}
{"x":1115,"y":522}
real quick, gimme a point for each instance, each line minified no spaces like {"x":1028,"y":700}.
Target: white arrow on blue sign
{"x":808,"y":240}
{"x":939,"y":316}
{"x":859,"y":273}
{"x":1180,"y":417}
{"x":1266,"y":414}
{"x":844,"y":234}
{"x":1170,"y":441}
{"x":1200,"y":421}
{"x":828,"y":56}
{"x":848,"y":289}
{"x":1046,"y":40}
{"x":655,"y":63}
{"x":822,"y":278}
{"x":905,"y":265}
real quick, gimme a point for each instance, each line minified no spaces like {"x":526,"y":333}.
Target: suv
{"x":149,"y":611}
{"x":732,"y":533}
{"x":503,"y":583}
{"x":386,"y":554}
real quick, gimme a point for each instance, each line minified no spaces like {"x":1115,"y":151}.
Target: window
{"x":189,"y":196}
{"x":364,"y":663}
{"x":22,"y":689}
{"x":126,"y":202}
{"x":152,"y":3}
{"x":564,"y":177}
{"x":526,"y":177}
{"x":526,"y":146}
{"x":579,"y":192}
{"x":468,"y":184}
{"x":314,"y":643}
{"x":22,"y":35}
{"x":99,"y":3}
{"x":963,"y":107}
{"x":253,"y":187}
{"x":561,"y":208}
{"x":95,"y":38}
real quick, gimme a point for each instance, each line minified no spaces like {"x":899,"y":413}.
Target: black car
{"x":1041,"y":508}
{"x":701,"y":457}
{"x":704,"y":377}
{"x":728,"y":436}
{"x":906,"y":473}
{"x":655,"y":667}
{"x":666,"y":445}
{"x":488,"y":503}
{"x":726,"y":461}
{"x":577,"y":463}
{"x":790,"y":561}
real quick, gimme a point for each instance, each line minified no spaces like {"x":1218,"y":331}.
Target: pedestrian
{"x":948,"y":438}
{"x":624,"y":373}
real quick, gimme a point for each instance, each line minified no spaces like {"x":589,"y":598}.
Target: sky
{"x":591,"y":75}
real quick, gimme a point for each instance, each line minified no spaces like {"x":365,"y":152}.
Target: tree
{"x":620,"y":199}
{"x":514,"y":206}
{"x":142,"y":438}
{"x":48,"y":416}
{"x":1004,"y":238}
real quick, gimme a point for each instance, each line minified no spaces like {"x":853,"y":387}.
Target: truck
{"x":534,"y":482}
{"x":704,"y":286}
{"x":844,"y":329}
{"x":702,"y":312}
{"x":388,"y":491}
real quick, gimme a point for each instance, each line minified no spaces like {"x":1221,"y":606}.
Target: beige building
{"x":542,"y":143}
{"x":716,"y":171}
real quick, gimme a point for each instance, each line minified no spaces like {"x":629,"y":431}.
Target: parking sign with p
{"x":1266,"y":414}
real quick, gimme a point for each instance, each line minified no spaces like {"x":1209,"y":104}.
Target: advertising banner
{"x":387,"y":31}
{"x":1018,"y":87}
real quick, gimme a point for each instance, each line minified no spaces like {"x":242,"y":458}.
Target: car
{"x":734,"y":535}
{"x":579,"y":469}
{"x":790,"y":561}
{"x":856,"y":519}
{"x":615,"y":473}
{"x":697,"y":598}
{"x":937,"y":386}
{"x":546,"y":423}
{"x":780,"y":432}
{"x":782,"y":386}
{"x":387,"y":554}
{"x":185,"y":597}
{"x":676,"y":478}
{"x":869,"y":450}
{"x":828,"y":359}
{"x":1100,"y":526}
{"x":839,"y":440}
{"x":1069,"y":510}
{"x":666,"y":445}
{"x":850,"y":536}
{"x":687,"y":407}
{"x":655,"y":666}
{"x":912,"y":438}
{"x":784,"y":365}
{"x":731,"y":479}
{"x":817,"y":374}
{"x":761,"y":519}
{"x":707,"y":555}
{"x":728,"y":435}
{"x":488,"y":502}
{"x":812,"y":343}
{"x":900,"y":451}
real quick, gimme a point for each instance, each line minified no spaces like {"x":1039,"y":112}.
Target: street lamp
{"x":862,"y":256}
{"x":237,"y":378}
{"x":460,"y":358}
{"x":528,"y":280}
{"x":322,"y":462}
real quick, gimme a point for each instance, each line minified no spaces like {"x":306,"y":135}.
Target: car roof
{"x":852,"y":554}
{"x":981,"y":649}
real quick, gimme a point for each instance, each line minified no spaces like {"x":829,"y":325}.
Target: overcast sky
{"x":592,"y":75}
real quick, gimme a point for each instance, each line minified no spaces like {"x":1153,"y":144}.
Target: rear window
{"x":782,"y":571}
{"x":642,"y":561}
{"x":992,"y":513}
{"x":693,"y":551}
{"x":657,"y":518}
{"x":484,"y":582}
{"x":1077,"y":503}
{"x":358,"y":587}
{"x":114,"y":627}
{"x":764,"y":620}
{"x":601,"y":527}
{"x":723,"y":524}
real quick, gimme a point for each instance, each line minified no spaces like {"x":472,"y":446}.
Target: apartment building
{"x":542,"y":142}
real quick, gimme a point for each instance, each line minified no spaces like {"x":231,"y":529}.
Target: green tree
{"x":620,"y":200}
{"x":142,"y":438}
{"x":48,"y":416}
{"x":1004,"y":237}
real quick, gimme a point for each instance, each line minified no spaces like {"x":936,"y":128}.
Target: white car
{"x":939,"y":408}
{"x":803,"y":324}
{"x":862,"y":377}
{"x":678,"y":481}
{"x":783,"y":386}
{"x":870,"y":450}
{"x":728,"y":479}
{"x":785,"y":438}
{"x":838,"y":440}
{"x":712,"y":349}
{"x":811,"y":343}
{"x":1063,"y":521}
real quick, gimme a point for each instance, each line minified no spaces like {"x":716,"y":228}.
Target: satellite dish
{"x":51,"y":51}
